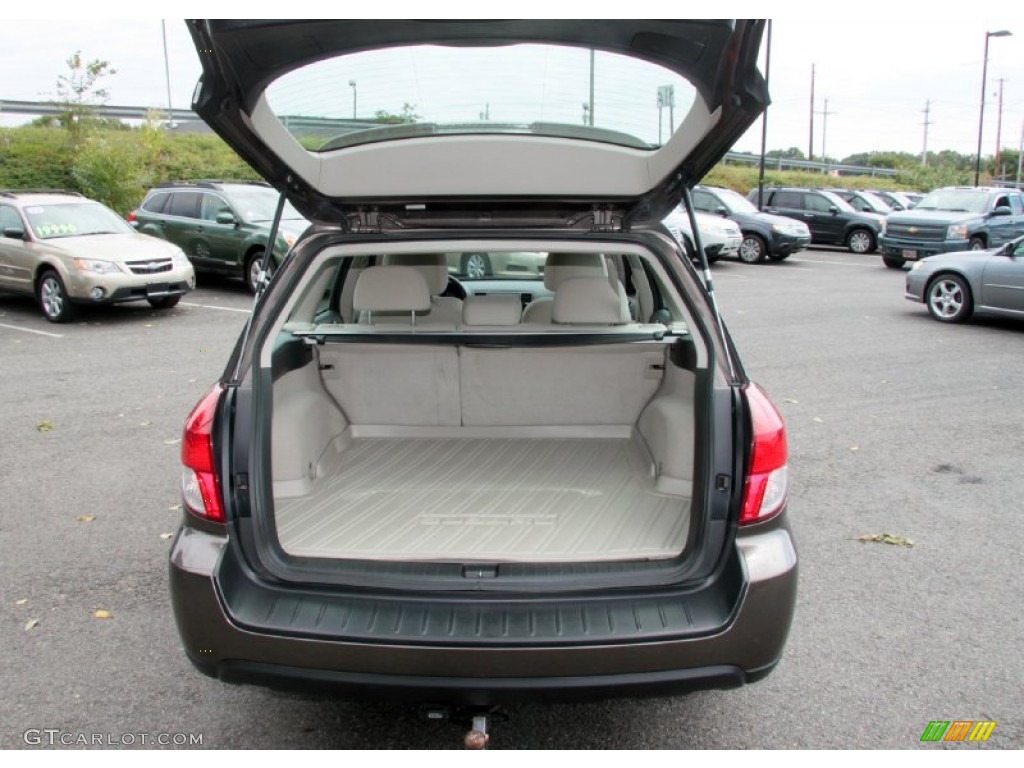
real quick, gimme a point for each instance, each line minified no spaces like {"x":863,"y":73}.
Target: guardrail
{"x":780,"y":163}
{"x":317,"y":125}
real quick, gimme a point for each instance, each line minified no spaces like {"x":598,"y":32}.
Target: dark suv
{"x":832,"y":220}
{"x":548,"y":485}
{"x":222,"y":226}
{"x":764,"y":235}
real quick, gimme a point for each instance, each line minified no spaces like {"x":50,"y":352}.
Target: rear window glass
{"x":184,"y":204}
{"x":429,"y":90}
{"x":155,"y":203}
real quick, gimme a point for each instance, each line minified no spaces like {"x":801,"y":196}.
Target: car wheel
{"x":164,"y":302}
{"x":253,"y":269}
{"x":752,"y":249}
{"x":949,"y":299}
{"x":476,"y":265}
{"x":53,"y":299}
{"x":893,"y":262}
{"x":860,"y":241}
{"x":977,"y":244}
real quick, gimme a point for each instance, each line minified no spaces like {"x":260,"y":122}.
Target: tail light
{"x":130,"y":218}
{"x":764,"y":492}
{"x":200,"y":489}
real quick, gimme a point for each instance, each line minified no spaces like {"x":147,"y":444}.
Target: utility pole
{"x":927,"y":122}
{"x":810,"y":144}
{"x":167,"y":70}
{"x":824,"y":133}
{"x":764,"y":120}
{"x":999,"y":132}
{"x":590,"y":112}
{"x":1020,"y":152}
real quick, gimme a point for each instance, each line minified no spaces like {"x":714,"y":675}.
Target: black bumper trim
{"x":485,"y":691}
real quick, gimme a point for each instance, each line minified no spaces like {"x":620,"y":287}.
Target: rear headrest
{"x":492,"y":309}
{"x":562,"y":266}
{"x":391,"y":289}
{"x":433,"y":266}
{"x":589,"y":301}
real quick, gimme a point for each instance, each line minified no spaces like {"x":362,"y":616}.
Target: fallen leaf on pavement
{"x":85,"y":518}
{"x":791,"y":400}
{"x":166,"y":536}
{"x":175,"y":508}
{"x":886,"y":538}
{"x":23,"y":601}
{"x":102,"y":614}
{"x":175,"y":441}
{"x":45,"y":426}
{"x":818,"y":419}
{"x":31,"y":624}
{"x":854,"y":447}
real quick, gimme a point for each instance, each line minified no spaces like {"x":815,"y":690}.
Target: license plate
{"x":909,"y":254}
{"x":156,"y":289}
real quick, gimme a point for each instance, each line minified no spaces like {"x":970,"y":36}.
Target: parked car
{"x":69,"y":251}
{"x":223,"y":226}
{"x":896,"y":200}
{"x":915,"y":198}
{"x":486,"y":264}
{"x":953,"y":219}
{"x":764,"y":235}
{"x":721,"y":237}
{"x":956,"y":285}
{"x":392,"y":491}
{"x":864,"y":201}
{"x":831,"y":219}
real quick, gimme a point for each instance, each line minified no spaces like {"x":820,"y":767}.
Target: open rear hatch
{"x":541,"y":115}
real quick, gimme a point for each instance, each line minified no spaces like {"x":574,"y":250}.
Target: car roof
{"x":42,"y":196}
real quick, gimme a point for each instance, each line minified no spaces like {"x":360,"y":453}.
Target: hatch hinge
{"x":366,"y":220}
{"x":606,"y":219}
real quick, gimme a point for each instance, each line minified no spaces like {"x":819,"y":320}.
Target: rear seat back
{"x":589,"y":301}
{"x":558,"y":268}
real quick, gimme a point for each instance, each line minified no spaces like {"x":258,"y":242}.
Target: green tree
{"x":408,"y":115}
{"x":793,"y":153}
{"x":80,"y":91}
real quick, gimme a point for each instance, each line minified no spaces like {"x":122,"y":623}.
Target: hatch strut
{"x":266,"y":266}
{"x":263,"y":279}
{"x":706,"y":275}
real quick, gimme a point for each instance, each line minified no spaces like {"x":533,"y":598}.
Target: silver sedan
{"x":956,"y":285}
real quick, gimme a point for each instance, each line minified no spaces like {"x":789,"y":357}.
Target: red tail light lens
{"x":200,"y":489}
{"x":130,"y":217}
{"x":764,"y":493}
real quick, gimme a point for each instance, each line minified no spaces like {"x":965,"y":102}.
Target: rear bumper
{"x":486,"y":670}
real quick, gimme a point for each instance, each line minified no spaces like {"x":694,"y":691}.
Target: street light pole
{"x":981,"y":110}
{"x":167,"y":70}
{"x":353,"y":84}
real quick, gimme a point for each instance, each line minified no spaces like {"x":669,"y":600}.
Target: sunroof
{"x":430,"y":90}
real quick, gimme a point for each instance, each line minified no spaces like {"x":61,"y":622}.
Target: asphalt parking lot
{"x":897,"y":425}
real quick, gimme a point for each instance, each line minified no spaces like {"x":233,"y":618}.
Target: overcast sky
{"x":877,"y":67}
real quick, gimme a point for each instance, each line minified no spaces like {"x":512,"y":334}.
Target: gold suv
{"x":69,"y":251}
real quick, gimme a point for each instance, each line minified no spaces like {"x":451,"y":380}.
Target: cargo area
{"x":456,"y":453}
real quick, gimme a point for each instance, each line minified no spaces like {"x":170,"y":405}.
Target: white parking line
{"x":833,"y":261}
{"x":214,"y":306}
{"x":32,"y":330}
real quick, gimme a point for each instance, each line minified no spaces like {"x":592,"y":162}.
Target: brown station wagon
{"x":550,"y":483}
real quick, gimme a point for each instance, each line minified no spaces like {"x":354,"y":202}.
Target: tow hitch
{"x":478,"y":719}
